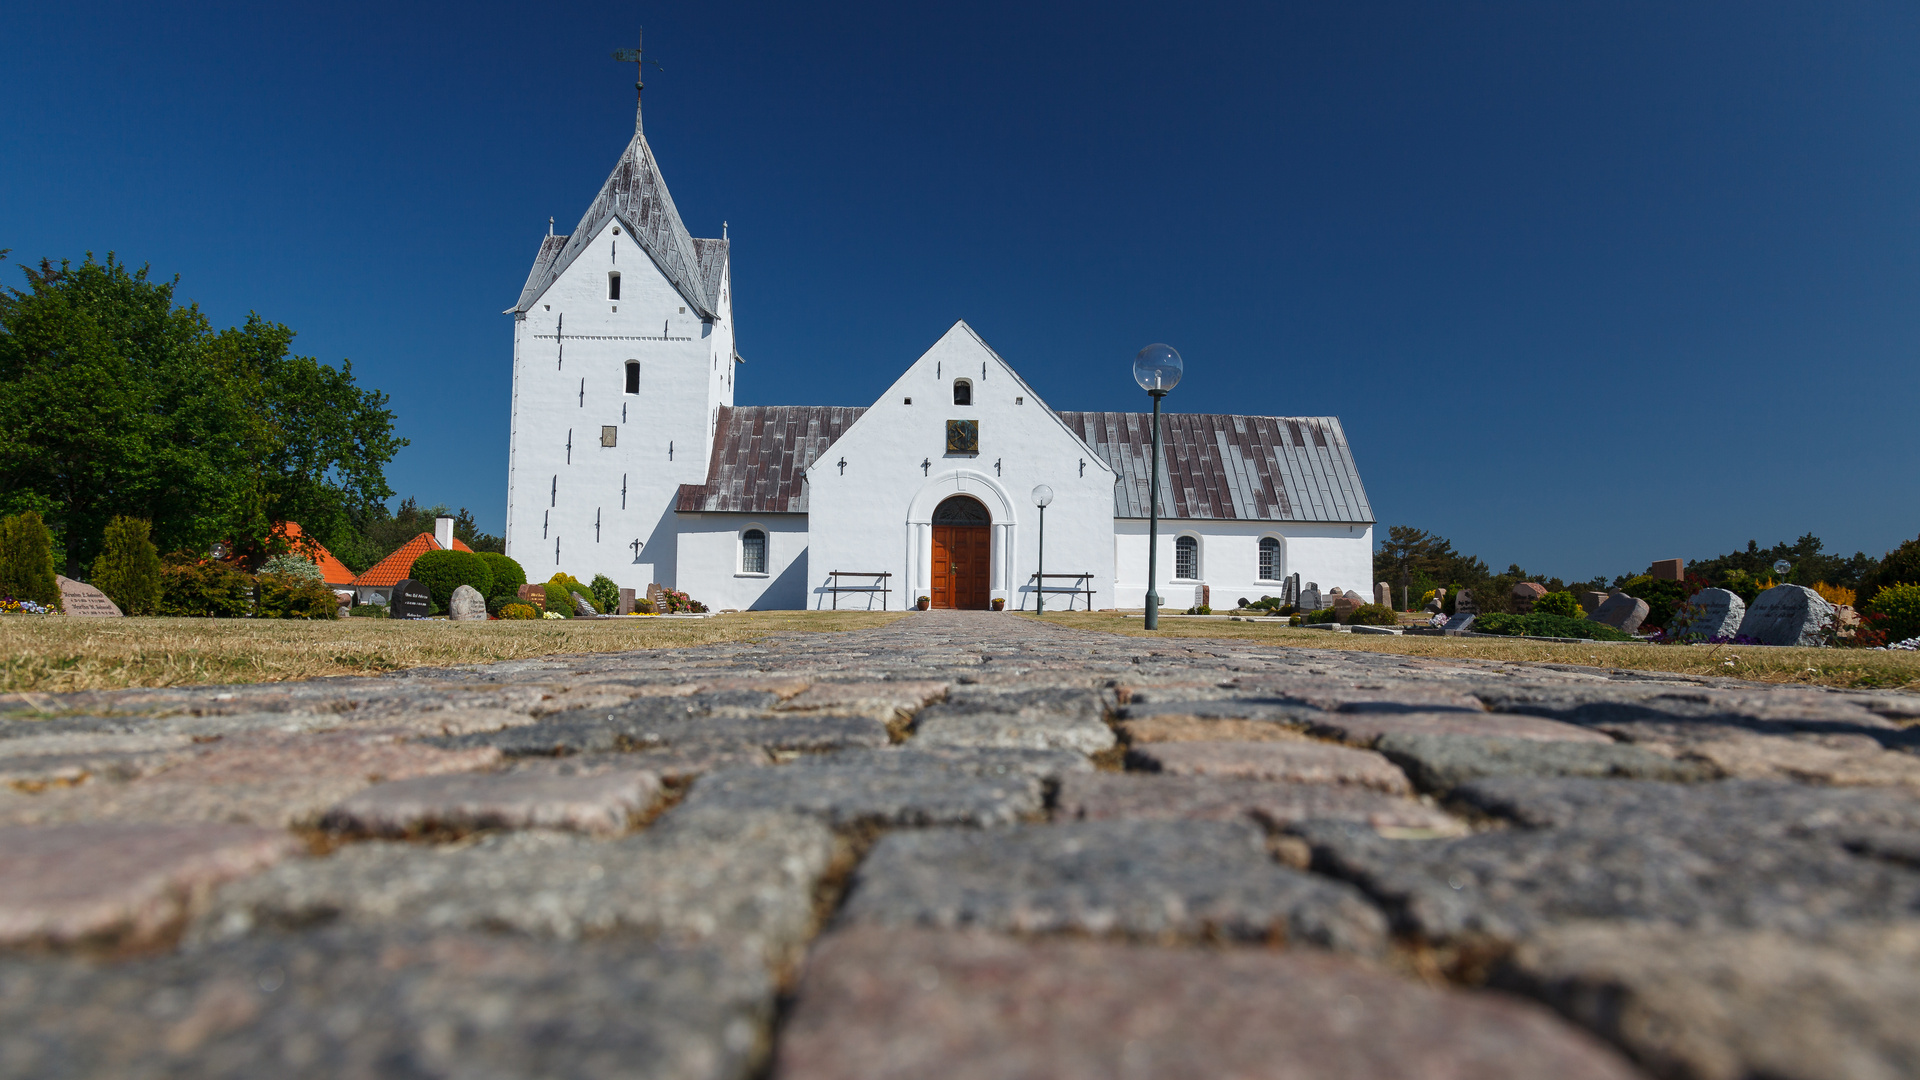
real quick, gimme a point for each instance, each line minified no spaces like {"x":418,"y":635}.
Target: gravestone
{"x":535,"y":595}
{"x":1437,"y":605}
{"x":1310,"y":597}
{"x":1668,"y":570}
{"x":1460,"y":623}
{"x":1713,"y":613}
{"x":410,"y":600}
{"x":656,"y":593}
{"x":1787,"y":615}
{"x":1202,"y":596}
{"x":1344,"y":605}
{"x":1526,"y":594}
{"x":1590,"y":601}
{"x":626,"y":602}
{"x":1383,"y":594}
{"x":80,"y":599}
{"x":1464,"y":604}
{"x":467,"y":605}
{"x":583,"y":607}
{"x":1622,"y":612}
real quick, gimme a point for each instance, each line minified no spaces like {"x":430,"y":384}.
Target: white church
{"x":630,"y":459}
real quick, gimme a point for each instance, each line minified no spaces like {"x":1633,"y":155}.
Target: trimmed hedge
{"x":1543,"y":625}
{"x":508,"y":576}
{"x":26,"y":560}
{"x":128,"y":566}
{"x":444,"y":571}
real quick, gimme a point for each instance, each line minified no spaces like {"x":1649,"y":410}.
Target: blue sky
{"x":1589,"y":284}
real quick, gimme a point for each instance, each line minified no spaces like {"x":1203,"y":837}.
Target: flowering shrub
{"x":1562,"y":604}
{"x":10,"y":606}
{"x":553,"y":615}
{"x":519,"y":611}
{"x":1837,"y":595}
{"x":1900,"y":606}
{"x":675,"y":602}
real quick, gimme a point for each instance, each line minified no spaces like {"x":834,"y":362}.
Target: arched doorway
{"x":962,"y":554}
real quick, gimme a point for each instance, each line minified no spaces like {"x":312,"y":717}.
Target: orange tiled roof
{"x":332,"y":570}
{"x":396,"y":567}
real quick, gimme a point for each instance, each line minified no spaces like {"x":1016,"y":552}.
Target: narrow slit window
{"x":1269,"y":559}
{"x":613,"y":285}
{"x":1186,"y":558}
{"x":962,"y":392}
{"x":633,"y":376}
{"x":753,"y":552}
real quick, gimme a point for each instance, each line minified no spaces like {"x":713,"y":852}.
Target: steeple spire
{"x":636,"y":57}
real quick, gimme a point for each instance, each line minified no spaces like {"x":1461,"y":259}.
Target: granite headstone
{"x":1460,"y":623}
{"x":1787,"y":615}
{"x":536,"y":595}
{"x":1713,"y":613}
{"x":83,"y":600}
{"x":1383,"y":594}
{"x":1344,"y":605}
{"x":1669,"y":570}
{"x":467,"y":605}
{"x":1464,"y":603}
{"x":1622,"y":612}
{"x":1590,"y":601}
{"x":583,"y":607}
{"x":1310,"y":597}
{"x":1526,"y":594}
{"x":410,"y":600}
{"x":626,"y":601}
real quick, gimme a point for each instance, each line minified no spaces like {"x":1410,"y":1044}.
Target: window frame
{"x":1279,"y":560}
{"x":613,"y":285}
{"x":740,"y":551}
{"x":633,"y":377}
{"x":1198,"y":568}
{"x":958,"y":386}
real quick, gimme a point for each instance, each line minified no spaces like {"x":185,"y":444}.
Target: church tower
{"x":623,"y":354}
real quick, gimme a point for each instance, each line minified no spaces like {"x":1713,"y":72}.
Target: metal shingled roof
{"x":713,"y":266}
{"x":760,"y":457}
{"x":1246,"y":468}
{"x":637,"y":195}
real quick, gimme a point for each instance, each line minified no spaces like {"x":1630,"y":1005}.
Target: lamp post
{"x":1157,"y":369}
{"x":1042,"y":495}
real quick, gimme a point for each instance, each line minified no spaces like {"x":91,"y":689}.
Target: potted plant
{"x":999,"y":603}
{"x":924,"y":602}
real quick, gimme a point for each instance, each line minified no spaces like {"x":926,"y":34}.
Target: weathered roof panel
{"x":1248,"y":468}
{"x":760,"y":458}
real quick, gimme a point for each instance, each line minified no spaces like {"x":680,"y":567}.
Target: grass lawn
{"x":1846,"y":668}
{"x":54,"y":654}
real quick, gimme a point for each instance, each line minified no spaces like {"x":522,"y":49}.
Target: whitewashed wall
{"x":665,"y":430}
{"x":1331,"y":555}
{"x":876,"y":514}
{"x":709,"y":570}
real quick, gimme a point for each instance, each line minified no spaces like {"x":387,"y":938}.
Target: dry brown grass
{"x":1844,"y":668}
{"x":53,"y":654}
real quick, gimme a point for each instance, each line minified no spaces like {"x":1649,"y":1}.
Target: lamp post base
{"x":1153,"y":611}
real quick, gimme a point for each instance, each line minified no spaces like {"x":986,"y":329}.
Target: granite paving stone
{"x":120,"y":885}
{"x":1299,"y":762}
{"x":1098,"y":796}
{"x":1057,"y":719}
{"x":885,"y":1003}
{"x":389,"y":1003}
{"x":743,"y":880}
{"x":1440,"y":763}
{"x":1153,"y":880}
{"x":1366,"y":728}
{"x":1725,"y":1005}
{"x":536,"y":795}
{"x":880,"y":788}
{"x":1185,"y":728}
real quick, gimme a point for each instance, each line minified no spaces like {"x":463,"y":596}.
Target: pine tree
{"x":26,"y":559}
{"x":128,"y":567}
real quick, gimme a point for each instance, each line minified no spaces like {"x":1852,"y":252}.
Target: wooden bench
{"x":882,"y":585}
{"x":1083,"y":587}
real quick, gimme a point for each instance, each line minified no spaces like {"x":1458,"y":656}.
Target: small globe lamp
{"x":1157,"y":369}
{"x":1042,"y":495}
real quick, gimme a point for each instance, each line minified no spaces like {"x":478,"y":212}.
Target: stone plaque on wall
{"x":83,"y":600}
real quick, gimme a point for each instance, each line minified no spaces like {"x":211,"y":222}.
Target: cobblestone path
{"x":964,"y":846}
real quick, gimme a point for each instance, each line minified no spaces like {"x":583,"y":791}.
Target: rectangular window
{"x":753,"y":552}
{"x":1186,"y":558}
{"x":1269,"y":559}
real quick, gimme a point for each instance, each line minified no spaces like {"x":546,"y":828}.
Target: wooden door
{"x":962,"y":566}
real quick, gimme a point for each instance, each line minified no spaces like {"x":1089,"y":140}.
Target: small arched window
{"x":1186,"y":558}
{"x":613,"y":285}
{"x":962,"y":392}
{"x":1269,"y":559}
{"x":753,"y":552}
{"x":633,"y":376}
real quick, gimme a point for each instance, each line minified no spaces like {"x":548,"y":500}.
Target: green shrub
{"x":1662,"y":597}
{"x":1373,"y":615}
{"x":193,"y":586}
{"x":444,"y":571}
{"x":605,"y":594}
{"x":292,"y":566}
{"x":284,"y":596}
{"x":26,"y":560}
{"x":1902,"y":564}
{"x":1899,"y":605}
{"x":368,"y":611}
{"x":643,"y":606}
{"x":508,"y":576}
{"x":1563,"y":604}
{"x":128,"y":566}
{"x":1323,"y":615}
{"x":1200,"y":609}
{"x":519,"y":611}
{"x":559,"y":599}
{"x":1540,"y":624}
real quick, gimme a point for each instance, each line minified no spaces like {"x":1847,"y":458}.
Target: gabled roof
{"x":332,"y":570}
{"x":760,"y":457}
{"x":1247,"y":468}
{"x":398,"y":566}
{"x":636,"y":195}
{"x":713,"y":266}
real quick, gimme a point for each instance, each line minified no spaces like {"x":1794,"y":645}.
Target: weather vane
{"x":637,"y":57}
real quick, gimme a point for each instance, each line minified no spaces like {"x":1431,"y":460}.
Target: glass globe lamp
{"x":1042,"y":495}
{"x":1157,"y":369}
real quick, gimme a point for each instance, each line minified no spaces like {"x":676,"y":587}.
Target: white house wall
{"x":875,"y":515}
{"x":1229,"y":551}
{"x":710,"y":565}
{"x":566,"y":510}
